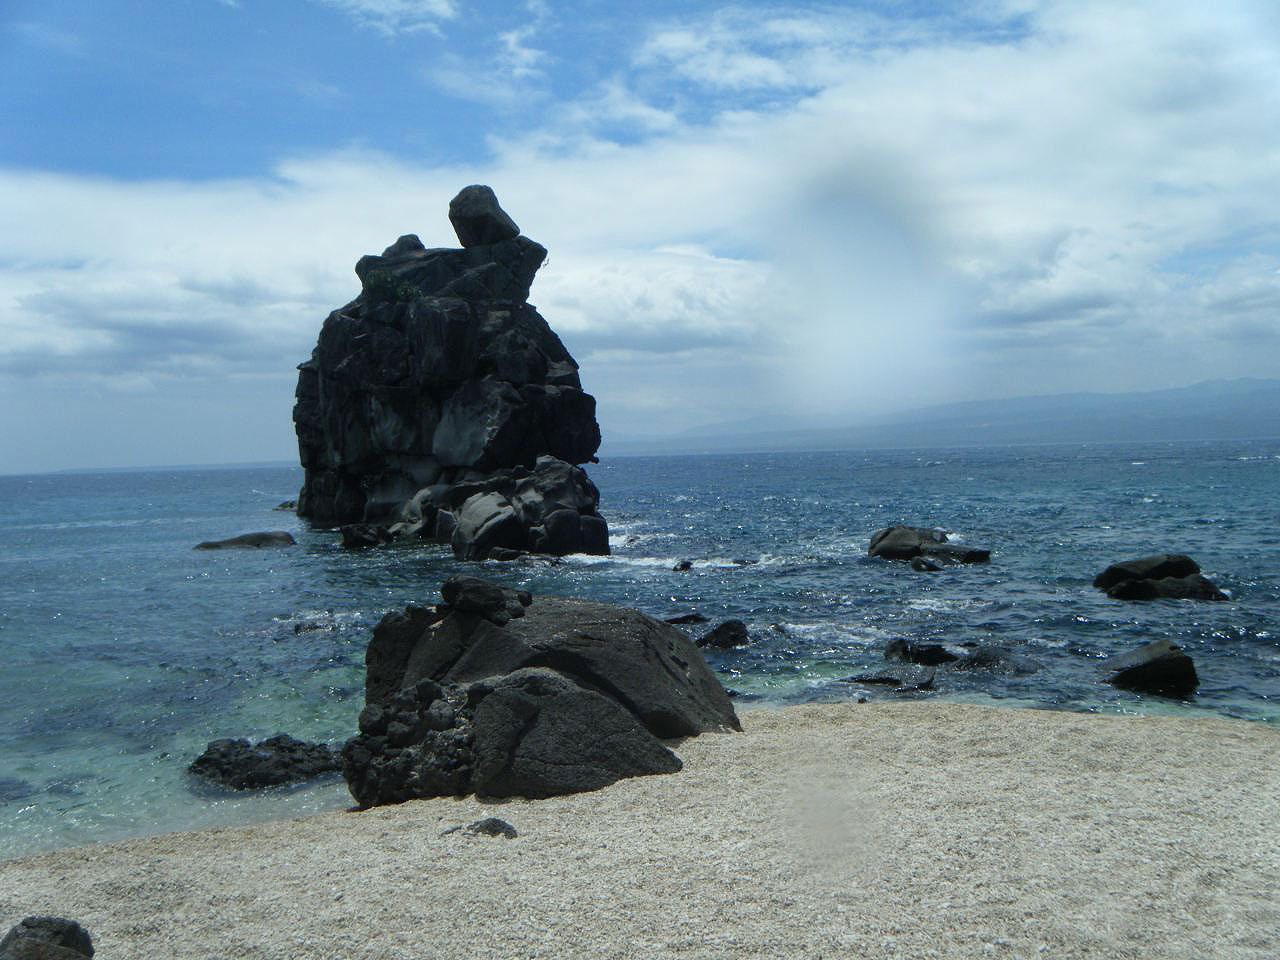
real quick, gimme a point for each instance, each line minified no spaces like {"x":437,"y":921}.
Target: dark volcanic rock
{"x":1194,"y":587}
{"x":477,"y":218}
{"x":439,"y":404}
{"x":251,"y":541}
{"x":995,"y":659}
{"x":909,"y":543}
{"x":731,"y":633}
{"x":539,"y":734}
{"x":287,"y":505}
{"x":488,"y":827}
{"x":1161,"y":576}
{"x":686,"y":618}
{"x":46,"y":938}
{"x":1155,"y":567}
{"x":925,"y":654}
{"x":1159,"y":667}
{"x":494,"y":602}
{"x":501,"y":694}
{"x":280,"y":759}
{"x":921,"y":565}
{"x":361,"y":536}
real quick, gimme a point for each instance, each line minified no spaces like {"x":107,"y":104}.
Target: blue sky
{"x":803,"y":210}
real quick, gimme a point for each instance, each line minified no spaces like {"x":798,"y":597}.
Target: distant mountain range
{"x":1213,"y":410}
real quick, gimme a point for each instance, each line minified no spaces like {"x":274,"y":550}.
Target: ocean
{"x":126,"y":651}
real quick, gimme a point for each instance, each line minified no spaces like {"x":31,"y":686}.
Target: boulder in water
{"x":727,"y":635}
{"x":925,"y":654}
{"x":1172,"y":576}
{"x":1155,"y":567}
{"x":1160,"y":667}
{"x":250,"y":541}
{"x":240,"y":765}
{"x":909,"y":543}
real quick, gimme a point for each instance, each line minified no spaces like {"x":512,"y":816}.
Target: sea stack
{"x":439,"y":404}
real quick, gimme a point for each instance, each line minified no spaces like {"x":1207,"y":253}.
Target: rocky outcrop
{"x":910,"y":543}
{"x":440,"y":405}
{"x":250,"y":541}
{"x":1173,"y":576}
{"x":499,"y":693}
{"x":240,"y":765}
{"x":46,"y":938}
{"x":1159,"y":667}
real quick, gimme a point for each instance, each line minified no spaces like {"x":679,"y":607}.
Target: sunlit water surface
{"x":126,"y":651}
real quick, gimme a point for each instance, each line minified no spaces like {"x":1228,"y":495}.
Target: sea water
{"x":124,"y":651}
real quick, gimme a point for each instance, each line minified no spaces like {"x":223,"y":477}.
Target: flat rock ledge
{"x":498,"y":693}
{"x":1171,"y":576}
{"x":440,"y":405}
{"x":924,"y":547}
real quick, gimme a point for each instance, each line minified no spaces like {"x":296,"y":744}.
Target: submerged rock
{"x":686,"y":618}
{"x":440,"y":405}
{"x":498,"y":693}
{"x":925,"y":654}
{"x":250,"y":541}
{"x":1173,"y":576}
{"x":240,"y":765}
{"x":46,"y":938}
{"x":1159,"y":667}
{"x":910,"y":543}
{"x":725,"y":636}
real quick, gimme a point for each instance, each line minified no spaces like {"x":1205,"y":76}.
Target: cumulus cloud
{"x":1052,"y":196}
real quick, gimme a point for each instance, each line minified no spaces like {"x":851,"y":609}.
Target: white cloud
{"x":512,"y":75}
{"x":396,"y":16}
{"x":1085,"y":202}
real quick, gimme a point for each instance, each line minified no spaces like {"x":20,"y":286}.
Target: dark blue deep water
{"x":125,"y":651}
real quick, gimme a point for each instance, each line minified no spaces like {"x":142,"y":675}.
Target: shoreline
{"x":881,"y":829}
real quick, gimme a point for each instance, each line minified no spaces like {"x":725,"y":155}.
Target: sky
{"x":797,"y":211}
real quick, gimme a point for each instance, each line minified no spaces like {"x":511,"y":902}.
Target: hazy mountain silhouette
{"x":1212,"y":410}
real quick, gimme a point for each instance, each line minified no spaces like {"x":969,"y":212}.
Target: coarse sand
{"x":877,"y":830}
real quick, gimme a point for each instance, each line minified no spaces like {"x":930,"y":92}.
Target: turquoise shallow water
{"x":125,"y":651}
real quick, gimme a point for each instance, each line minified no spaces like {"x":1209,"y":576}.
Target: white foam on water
{"x":595,"y":560}
{"x":1046,"y":642}
{"x":942,"y":605}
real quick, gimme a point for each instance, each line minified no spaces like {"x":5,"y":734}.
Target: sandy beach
{"x":878,"y":830}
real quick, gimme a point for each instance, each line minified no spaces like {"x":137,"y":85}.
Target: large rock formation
{"x":440,"y":404}
{"x":499,"y":694}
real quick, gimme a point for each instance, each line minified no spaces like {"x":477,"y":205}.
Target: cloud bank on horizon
{"x":820,"y":210}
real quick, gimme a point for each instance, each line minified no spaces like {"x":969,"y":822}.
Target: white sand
{"x":881,"y":830}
